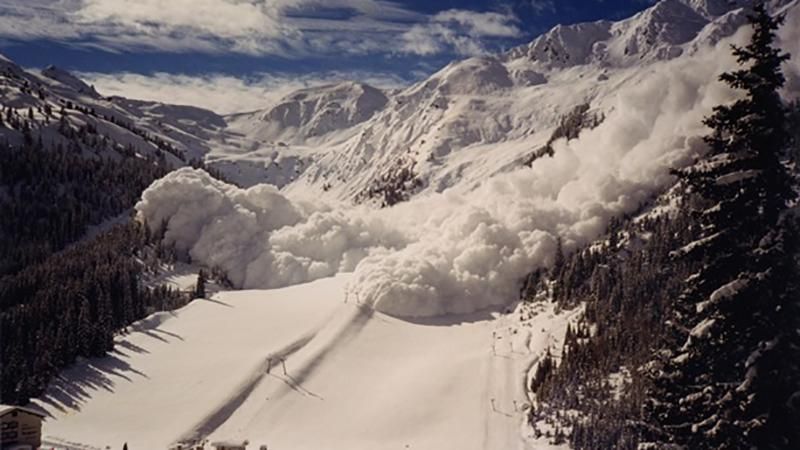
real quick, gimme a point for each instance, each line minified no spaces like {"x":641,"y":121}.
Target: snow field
{"x":341,"y":376}
{"x":173,"y":369}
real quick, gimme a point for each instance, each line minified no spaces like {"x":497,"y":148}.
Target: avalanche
{"x":458,"y":251}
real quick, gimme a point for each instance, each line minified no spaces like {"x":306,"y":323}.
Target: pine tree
{"x":84,"y":327}
{"x":728,"y":373}
{"x":200,"y":288}
{"x":559,"y":261}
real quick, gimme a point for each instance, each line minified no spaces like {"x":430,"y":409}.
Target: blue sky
{"x":146,"y":46}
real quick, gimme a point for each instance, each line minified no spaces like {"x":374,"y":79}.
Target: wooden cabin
{"x":20,"y":427}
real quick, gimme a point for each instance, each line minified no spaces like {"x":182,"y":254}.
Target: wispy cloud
{"x":463,"y":32}
{"x":288,"y":28}
{"x":545,"y":6}
{"x":223,"y":93}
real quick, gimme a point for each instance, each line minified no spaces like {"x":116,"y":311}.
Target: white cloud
{"x":461,"y":31}
{"x":289,"y":28}
{"x":543,"y":6}
{"x":220,"y":18}
{"x":36,"y":19}
{"x":489,"y":24}
{"x":223,"y":93}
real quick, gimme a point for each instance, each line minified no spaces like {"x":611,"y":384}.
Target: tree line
{"x":73,"y":303}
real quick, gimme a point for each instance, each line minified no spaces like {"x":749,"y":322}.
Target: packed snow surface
{"x":303,"y":367}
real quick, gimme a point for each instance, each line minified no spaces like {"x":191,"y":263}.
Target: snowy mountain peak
{"x":565,"y":46}
{"x":315,"y":111}
{"x":8,"y":66}
{"x":66,"y":78}
{"x":715,"y":8}
{"x":655,"y":34}
{"x":478,"y":75}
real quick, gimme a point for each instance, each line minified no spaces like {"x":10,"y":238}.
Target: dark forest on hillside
{"x":63,"y":296}
{"x":692,"y":312}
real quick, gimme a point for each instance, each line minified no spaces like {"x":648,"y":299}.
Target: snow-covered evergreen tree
{"x":728,"y":375}
{"x":200,"y":287}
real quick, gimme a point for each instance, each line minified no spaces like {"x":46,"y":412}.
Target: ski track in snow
{"x":353,"y":379}
{"x":220,"y":414}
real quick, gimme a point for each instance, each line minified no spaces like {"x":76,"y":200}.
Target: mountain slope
{"x":473,"y":118}
{"x":313,"y":112}
{"x":180,"y":133}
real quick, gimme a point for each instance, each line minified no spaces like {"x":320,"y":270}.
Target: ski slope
{"x":353,"y":379}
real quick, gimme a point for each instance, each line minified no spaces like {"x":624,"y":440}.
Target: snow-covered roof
{"x":4,"y":409}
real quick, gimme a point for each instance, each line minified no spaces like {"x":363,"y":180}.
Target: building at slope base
{"x":20,"y":428}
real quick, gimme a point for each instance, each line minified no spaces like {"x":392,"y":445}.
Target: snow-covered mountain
{"x":278,"y":143}
{"x":658,"y":33}
{"x":478,"y":130}
{"x":350,"y":141}
{"x":353,"y":143}
{"x":312,"y":112}
{"x":180,"y":133}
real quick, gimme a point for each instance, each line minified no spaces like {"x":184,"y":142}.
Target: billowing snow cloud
{"x":257,"y":235}
{"x":454,"y":253}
